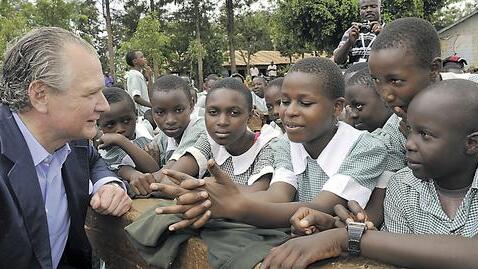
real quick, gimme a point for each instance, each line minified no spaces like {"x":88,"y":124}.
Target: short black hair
{"x":130,"y":56}
{"x":261,"y":78}
{"x":355,"y":68}
{"x":237,"y":75}
{"x":168,"y":83}
{"x":212,"y":77}
{"x":277,"y":82}
{"x":362,"y":78}
{"x":417,"y":36}
{"x":233,"y":85}
{"x":461,"y":92}
{"x":327,"y":72}
{"x":115,"y":95}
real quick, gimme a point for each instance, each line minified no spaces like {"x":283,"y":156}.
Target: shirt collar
{"x":242,"y":162}
{"x":331,"y":158}
{"x":37,"y":151}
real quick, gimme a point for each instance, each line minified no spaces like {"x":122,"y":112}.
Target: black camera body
{"x":365,"y":27}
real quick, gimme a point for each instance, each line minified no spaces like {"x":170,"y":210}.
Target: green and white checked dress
{"x":412,"y":206}
{"x":394,"y":141}
{"x":244,"y":169}
{"x":115,"y":156}
{"x":349,"y":165}
{"x":170,"y":150}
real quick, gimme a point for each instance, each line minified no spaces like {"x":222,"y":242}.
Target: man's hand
{"x":307,"y":221}
{"x":300,"y":252}
{"x":354,"y":33}
{"x":140,"y":182}
{"x":111,"y":199}
{"x":354,"y":213}
{"x":110,"y":139}
{"x":376,"y":27}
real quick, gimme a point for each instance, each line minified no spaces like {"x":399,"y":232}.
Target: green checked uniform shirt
{"x":169,"y":149}
{"x":244,"y":169}
{"x":412,"y":206}
{"x":349,"y":166}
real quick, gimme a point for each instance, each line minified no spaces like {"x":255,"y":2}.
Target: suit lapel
{"x":25,"y":186}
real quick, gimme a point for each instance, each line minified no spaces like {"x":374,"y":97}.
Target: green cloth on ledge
{"x":230,"y":245}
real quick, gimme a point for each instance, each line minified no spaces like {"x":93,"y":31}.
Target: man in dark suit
{"x":51,"y":95}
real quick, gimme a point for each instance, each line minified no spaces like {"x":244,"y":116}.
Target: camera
{"x":365,"y":27}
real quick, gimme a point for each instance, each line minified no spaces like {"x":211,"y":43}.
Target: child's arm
{"x":404,"y":250}
{"x":186,"y":164}
{"x":140,"y":182}
{"x":260,"y":184}
{"x":143,"y":161}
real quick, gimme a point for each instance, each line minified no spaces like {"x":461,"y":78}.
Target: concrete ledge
{"x":109,"y":242}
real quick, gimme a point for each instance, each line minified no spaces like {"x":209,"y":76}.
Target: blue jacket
{"x":24,"y":239}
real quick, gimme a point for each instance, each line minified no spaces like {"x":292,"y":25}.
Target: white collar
{"x":331,"y":158}
{"x":242,"y":162}
{"x":172,"y":144}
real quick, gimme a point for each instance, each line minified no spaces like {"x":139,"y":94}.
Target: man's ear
{"x":38,"y":93}
{"x":435,"y":69}
{"x":339,"y":106}
{"x":471,"y":144}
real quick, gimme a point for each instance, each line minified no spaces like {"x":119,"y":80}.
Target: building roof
{"x":265,"y":57}
{"x":458,"y":22}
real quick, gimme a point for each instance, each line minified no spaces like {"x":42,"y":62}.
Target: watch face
{"x":356,"y":225}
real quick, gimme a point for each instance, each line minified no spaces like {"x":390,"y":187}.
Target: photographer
{"x":357,"y":40}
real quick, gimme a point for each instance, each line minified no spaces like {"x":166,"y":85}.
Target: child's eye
{"x":306,"y":103}
{"x":159,"y":112}
{"x":425,"y":135}
{"x":359,"y":107}
{"x":396,"y":82}
{"x":126,"y":121}
{"x":235,"y":113}
{"x":179,"y":110}
{"x":375,"y":80}
{"x":212,"y":112}
{"x":285,"y":102}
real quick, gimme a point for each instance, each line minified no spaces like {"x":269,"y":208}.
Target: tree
{"x":109,"y":31}
{"x":312,"y":25}
{"x":253,"y":34}
{"x":151,"y":40}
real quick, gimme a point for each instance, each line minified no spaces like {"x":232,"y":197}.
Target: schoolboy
{"x":367,"y":111}
{"x":258,"y":85}
{"x":173,"y":105}
{"x":120,"y":145}
{"x":137,"y":80}
{"x":272,"y":95}
{"x":430,"y":207}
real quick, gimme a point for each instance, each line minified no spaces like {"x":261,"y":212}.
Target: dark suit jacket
{"x":24,"y":240}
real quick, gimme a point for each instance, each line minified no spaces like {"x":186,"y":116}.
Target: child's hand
{"x":300,"y":252}
{"x":141,"y":183}
{"x":191,"y":200}
{"x":153,"y":150}
{"x":354,"y":213}
{"x":307,"y":221}
{"x":110,"y":139}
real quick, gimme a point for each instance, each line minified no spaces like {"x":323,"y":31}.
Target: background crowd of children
{"x":390,"y":144}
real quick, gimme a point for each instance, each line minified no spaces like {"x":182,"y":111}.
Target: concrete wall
{"x":462,"y":39}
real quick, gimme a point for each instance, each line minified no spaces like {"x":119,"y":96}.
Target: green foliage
{"x":312,"y":25}
{"x":253,"y":33}
{"x":151,"y":40}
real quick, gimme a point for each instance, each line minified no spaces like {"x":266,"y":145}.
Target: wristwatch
{"x":355,"y":231}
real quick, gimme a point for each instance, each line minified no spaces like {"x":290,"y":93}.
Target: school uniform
{"x":170,"y":150}
{"x":349,"y":165}
{"x":412,"y":206}
{"x":115,"y":156}
{"x":394,"y":141}
{"x":244,"y":169}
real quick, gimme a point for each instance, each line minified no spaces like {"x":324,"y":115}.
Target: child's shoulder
{"x":404,"y":182}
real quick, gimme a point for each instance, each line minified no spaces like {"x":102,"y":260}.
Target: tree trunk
{"x":151,"y":7}
{"x":230,"y":34}
{"x":198,"y":38}
{"x":109,"y":31}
